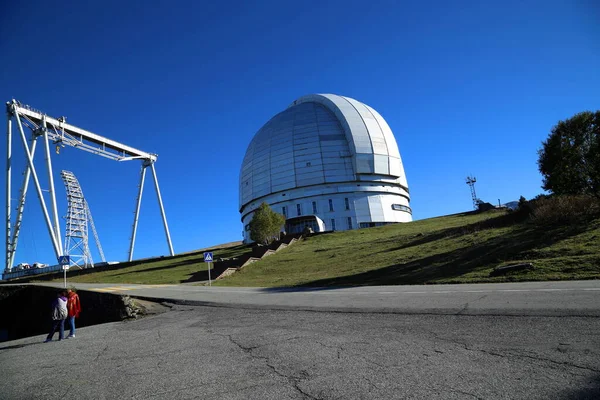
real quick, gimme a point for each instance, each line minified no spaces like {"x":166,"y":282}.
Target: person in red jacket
{"x":74,"y":308}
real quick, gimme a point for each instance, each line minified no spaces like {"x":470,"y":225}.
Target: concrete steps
{"x":222,"y":269}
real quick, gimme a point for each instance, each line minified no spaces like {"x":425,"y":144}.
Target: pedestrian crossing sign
{"x":208,"y":257}
{"x":64,"y":260}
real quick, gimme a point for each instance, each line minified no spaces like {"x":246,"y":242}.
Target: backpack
{"x":60,"y":310}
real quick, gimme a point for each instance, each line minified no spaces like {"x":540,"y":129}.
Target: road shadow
{"x":591,"y":391}
{"x":17,"y":346}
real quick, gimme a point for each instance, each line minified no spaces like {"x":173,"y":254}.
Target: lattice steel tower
{"x":471,"y":182}
{"x":77,"y":219}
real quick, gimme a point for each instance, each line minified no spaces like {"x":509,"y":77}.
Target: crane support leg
{"x":52,"y":191}
{"x":57,"y":247}
{"x":162,"y":211}
{"x":21,"y":207}
{"x":8,"y":189}
{"x":137,"y":211}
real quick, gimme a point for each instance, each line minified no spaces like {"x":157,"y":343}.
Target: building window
{"x":332,"y":223}
{"x":347,"y":203}
{"x":284,"y":211}
{"x":299,"y":209}
{"x":297,"y":225}
{"x":330,"y":205}
{"x":349,"y":222}
{"x":373,"y":224}
{"x":314,"y":207}
{"x":247,"y":227}
{"x":400,"y":207}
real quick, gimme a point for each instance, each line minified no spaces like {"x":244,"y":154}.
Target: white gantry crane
{"x":56,"y":130}
{"x":78,"y":218}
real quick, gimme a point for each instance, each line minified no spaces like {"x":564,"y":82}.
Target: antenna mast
{"x":471,"y":182}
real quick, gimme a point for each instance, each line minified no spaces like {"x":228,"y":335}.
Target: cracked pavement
{"x":198,"y":352}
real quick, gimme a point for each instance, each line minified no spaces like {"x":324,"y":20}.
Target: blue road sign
{"x":64,"y":260}
{"x":208,"y":256}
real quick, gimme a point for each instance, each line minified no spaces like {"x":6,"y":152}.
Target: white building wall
{"x":326,"y":147}
{"x":366,"y":204}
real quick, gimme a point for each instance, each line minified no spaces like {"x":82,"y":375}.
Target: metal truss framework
{"x":62,"y":134}
{"x":78,"y":218}
{"x":471,"y":182}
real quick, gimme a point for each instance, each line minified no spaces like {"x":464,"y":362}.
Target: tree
{"x":265,"y":224}
{"x":522,"y":201}
{"x":569,"y":159}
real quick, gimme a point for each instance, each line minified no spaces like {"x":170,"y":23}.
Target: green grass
{"x":168,"y":270}
{"x":462,"y":248}
{"x":454,"y":249}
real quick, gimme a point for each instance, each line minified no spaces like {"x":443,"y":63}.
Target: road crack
{"x":294,"y":380}
{"x":67,"y":391}
{"x":466,"y":305}
{"x":549,"y":360}
{"x":101,"y":352}
{"x":512,"y":355}
{"x":464,"y":393}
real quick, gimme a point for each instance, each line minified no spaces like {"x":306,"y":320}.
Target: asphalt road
{"x":528,"y":298}
{"x":339,"y":347}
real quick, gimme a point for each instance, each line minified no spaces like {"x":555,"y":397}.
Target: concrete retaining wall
{"x":27,"y":310}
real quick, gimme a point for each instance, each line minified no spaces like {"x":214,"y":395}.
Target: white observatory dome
{"x":328,"y":162}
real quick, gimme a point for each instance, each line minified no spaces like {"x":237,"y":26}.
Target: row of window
{"x":373,"y":224}
{"x":314,"y":207}
{"x":333,"y":226}
{"x":297,"y":226}
{"x":300,"y":226}
{"x":396,"y":207}
{"x":348,"y":221}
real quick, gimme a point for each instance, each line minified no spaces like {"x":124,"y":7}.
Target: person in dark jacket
{"x":73,"y":308}
{"x":59,"y":314}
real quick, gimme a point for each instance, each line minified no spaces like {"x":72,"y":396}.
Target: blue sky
{"x":467,"y":87}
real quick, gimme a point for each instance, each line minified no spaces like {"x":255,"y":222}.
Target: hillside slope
{"x":182,"y":268}
{"x":452,"y":249}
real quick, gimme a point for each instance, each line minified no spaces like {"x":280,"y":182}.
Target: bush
{"x":265,"y":224}
{"x":524,"y":208}
{"x":561,"y":209}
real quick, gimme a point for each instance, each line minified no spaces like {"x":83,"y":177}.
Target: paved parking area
{"x":195,"y":352}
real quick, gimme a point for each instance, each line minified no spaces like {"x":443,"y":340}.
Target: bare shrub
{"x":565,"y":209}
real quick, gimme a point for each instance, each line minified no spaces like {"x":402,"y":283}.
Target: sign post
{"x":64,"y":261}
{"x":208,"y":258}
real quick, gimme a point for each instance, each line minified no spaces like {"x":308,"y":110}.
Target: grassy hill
{"x":451,"y":249}
{"x":183,"y":268}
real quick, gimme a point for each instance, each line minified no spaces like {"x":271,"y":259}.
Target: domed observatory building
{"x":328,"y":162}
